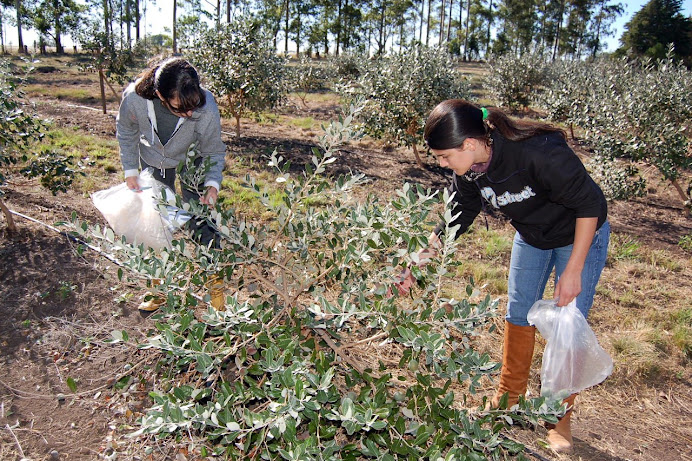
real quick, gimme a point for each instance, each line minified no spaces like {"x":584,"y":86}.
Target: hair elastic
{"x":157,"y":76}
{"x":484,"y":111}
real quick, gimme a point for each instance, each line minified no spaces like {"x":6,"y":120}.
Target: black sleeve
{"x":466,"y":203}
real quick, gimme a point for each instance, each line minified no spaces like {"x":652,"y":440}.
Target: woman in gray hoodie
{"x":162,"y":114}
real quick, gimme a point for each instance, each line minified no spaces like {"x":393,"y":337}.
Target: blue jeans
{"x":530,"y":268}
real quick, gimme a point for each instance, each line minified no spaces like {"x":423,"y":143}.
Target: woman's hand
{"x":133,"y":184}
{"x":406,"y":280}
{"x":568,"y":286}
{"x":209,"y":198}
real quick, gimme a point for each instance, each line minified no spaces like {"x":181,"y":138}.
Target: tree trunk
{"x":58,"y":28}
{"x":461,"y":14}
{"x":338,"y":28}
{"x":449,"y":18}
{"x":556,"y":46}
{"x":380,"y":42}
{"x":441,"y":35}
{"x":427,"y":31}
{"x":490,"y":23}
{"x":419,"y":161}
{"x":286,"y":27}
{"x":2,"y":34}
{"x":11,"y":226}
{"x":106,"y":21}
{"x":466,"y":34}
{"x":175,"y":27}
{"x":228,"y":11}
{"x":346,"y":36}
{"x":128,"y":26}
{"x":597,"y":42}
{"x":300,"y":25}
{"x":422,"y":16}
{"x":102,"y":85}
{"x":20,"y":40}
{"x":136,"y":5}
{"x":685,"y":198}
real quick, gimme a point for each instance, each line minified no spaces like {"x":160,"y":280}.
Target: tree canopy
{"x":655,"y":26}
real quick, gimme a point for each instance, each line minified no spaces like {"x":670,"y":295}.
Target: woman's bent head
{"x":453,"y":121}
{"x":173,"y":80}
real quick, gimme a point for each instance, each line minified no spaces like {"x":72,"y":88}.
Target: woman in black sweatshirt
{"x":527,"y":171}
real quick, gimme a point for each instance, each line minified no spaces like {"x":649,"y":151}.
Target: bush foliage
{"x":240,"y":65}
{"x":20,"y":130}
{"x":637,"y":110}
{"x":401,"y":89}
{"x":277,"y":374}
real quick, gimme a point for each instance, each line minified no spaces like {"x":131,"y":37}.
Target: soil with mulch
{"x":64,"y":392}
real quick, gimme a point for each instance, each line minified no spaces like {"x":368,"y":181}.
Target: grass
{"x":491,"y":277}
{"x":305,"y":123}
{"x":623,"y":247}
{"x":686,"y":242}
{"x":97,"y":155}
{"x":77,"y":95}
{"x":320,"y":97}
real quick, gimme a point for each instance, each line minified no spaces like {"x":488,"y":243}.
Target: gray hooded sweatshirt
{"x":137,"y":136}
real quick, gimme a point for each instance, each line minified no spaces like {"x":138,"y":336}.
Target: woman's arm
{"x":569,"y":284}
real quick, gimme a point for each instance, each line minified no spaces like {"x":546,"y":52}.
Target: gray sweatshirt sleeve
{"x":127,"y":132}
{"x":210,"y":143}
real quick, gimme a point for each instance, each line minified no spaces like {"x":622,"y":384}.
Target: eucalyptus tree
{"x":302,"y":15}
{"x":53,"y":18}
{"x":324,"y":12}
{"x":603,"y":19}
{"x":20,"y":15}
{"x":270,"y":13}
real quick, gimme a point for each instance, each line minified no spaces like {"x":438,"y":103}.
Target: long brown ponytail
{"x":454,"y":120}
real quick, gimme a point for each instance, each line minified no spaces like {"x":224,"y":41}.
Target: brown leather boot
{"x":517,"y":353}
{"x":216,"y":287}
{"x":155,"y":300}
{"x":560,"y":434}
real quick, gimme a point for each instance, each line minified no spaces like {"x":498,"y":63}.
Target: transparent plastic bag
{"x":573,"y":360}
{"x":138,"y":215}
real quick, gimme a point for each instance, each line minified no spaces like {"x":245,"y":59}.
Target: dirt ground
{"x":63,"y":389}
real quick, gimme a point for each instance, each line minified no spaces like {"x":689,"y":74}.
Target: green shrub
{"x":401,"y":90}
{"x":513,"y":81}
{"x":240,"y":66}
{"x":278,"y":379}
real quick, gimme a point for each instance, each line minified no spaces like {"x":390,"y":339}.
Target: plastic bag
{"x":138,"y":215}
{"x":573,"y":360}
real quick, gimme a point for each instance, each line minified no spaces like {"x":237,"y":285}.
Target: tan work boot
{"x":216,"y":287}
{"x":560,"y":434}
{"x":155,"y":300}
{"x":517,"y":353}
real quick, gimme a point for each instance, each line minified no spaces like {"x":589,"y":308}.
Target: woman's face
{"x":173,"y":105}
{"x":460,"y":159}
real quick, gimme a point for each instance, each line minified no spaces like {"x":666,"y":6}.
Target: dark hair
{"x":172,"y":77}
{"x":454,"y":120}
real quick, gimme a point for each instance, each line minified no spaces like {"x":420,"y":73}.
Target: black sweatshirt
{"x":539,"y":183}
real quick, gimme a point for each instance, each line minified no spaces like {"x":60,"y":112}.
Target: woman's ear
{"x":469,"y":144}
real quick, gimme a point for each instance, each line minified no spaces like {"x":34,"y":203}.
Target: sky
{"x":158,"y":17}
